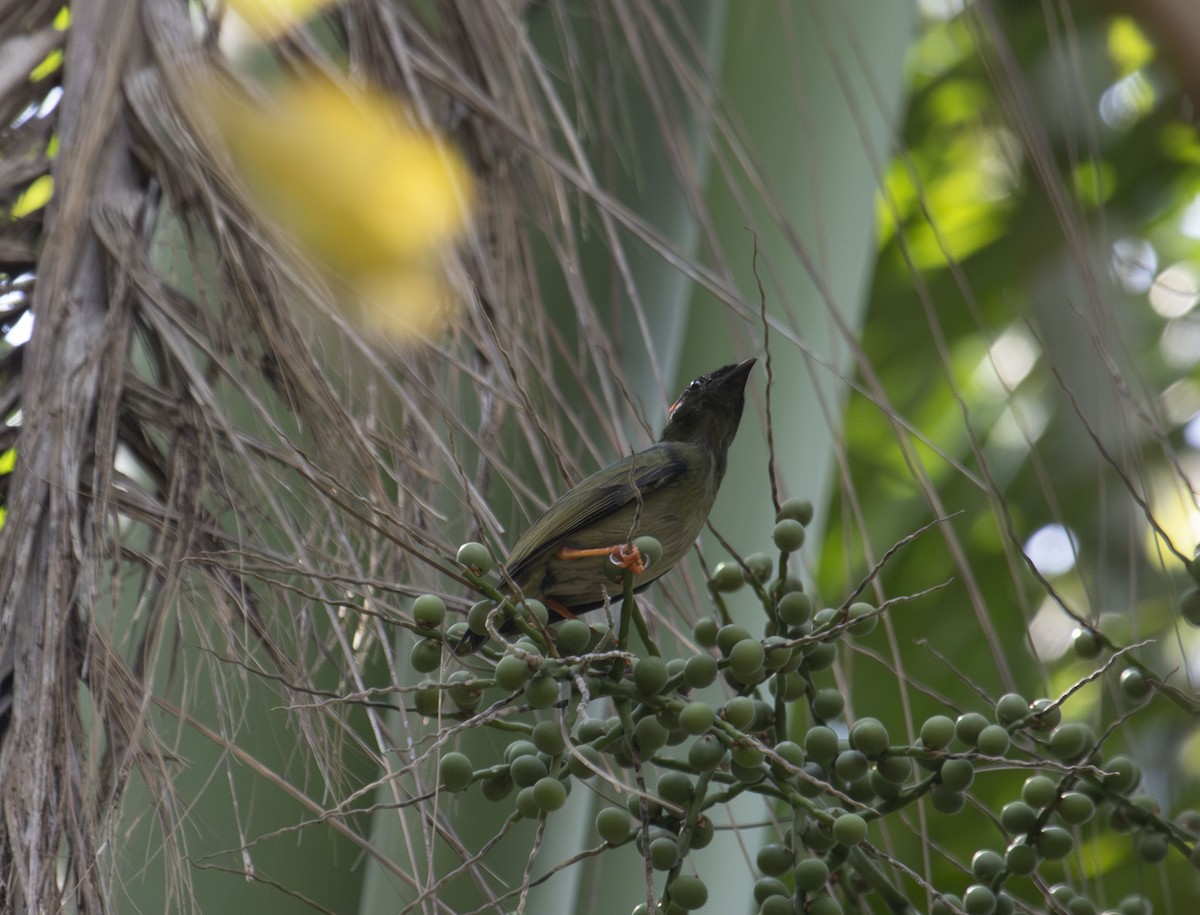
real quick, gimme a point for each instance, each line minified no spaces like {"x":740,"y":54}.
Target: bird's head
{"x":709,"y":410}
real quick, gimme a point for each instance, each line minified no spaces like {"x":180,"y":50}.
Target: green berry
{"x":746,"y":660}
{"x":526,"y":805}
{"x":705,"y":633}
{"x":1123,"y":774}
{"x":498,"y":788}
{"x":957,"y":774}
{"x":870,"y":736}
{"x":766,"y":887}
{"x":534,"y":611}
{"x":581,"y":756}
{"x":789,"y":753}
{"x":778,"y":652}
{"x":793,"y":685}
{"x":826,"y":617}
{"x":797,"y":509}
{"x":1151,"y":847}
{"x":1021,"y":859}
{"x":761,"y":566}
{"x":731,"y":635}
{"x":946,"y":800}
{"x":993,"y":740}
{"x":527,"y":770}
{"x":649,"y":736}
{"x":747,"y":756}
{"x":426,"y":655}
{"x":455,"y":772}
{"x":946,"y":905}
{"x":702,"y":833}
{"x":650,"y":675}
{"x":936,"y":732}
{"x":1135,"y":904}
{"x":700,"y":671}
{"x":549,"y":794}
{"x":613,"y":825}
{"x":428,"y":611}
{"x":541,"y":691}
{"x":788,"y":535}
{"x":851,"y":765}
{"x":968,"y":726}
{"x":706,"y":753}
{"x":979,"y":900}
{"x":1086,"y":644}
{"x":428,"y":702}
{"x":475,"y":556}
{"x":739,"y":712}
{"x":821,"y":744}
{"x":774,"y":859}
{"x":649,"y":548}
{"x":664,"y":853}
{"x":689,"y":893}
{"x":863,"y":618}
{"x":894,"y":769}
{"x":512,"y":673}
{"x":1047,"y":714}
{"x":1054,"y":842}
{"x":547,"y":736}
{"x":1039,"y":790}
{"x":795,"y":608}
{"x":1075,"y":808}
{"x":1011,"y":708}
{"x":824,"y":905}
{"x":776,"y":905}
{"x":810,"y":874}
{"x":675,"y":788}
{"x":1071,"y":741}
{"x":828,"y":704}
{"x":849,"y":829}
{"x":1062,"y":893}
{"x":478,"y":614}
{"x":1134,"y":684}
{"x":464,"y":691}
{"x":727,"y":577}
{"x":1189,"y":821}
{"x":986,"y":865}
{"x":696,"y":717}
{"x":518,"y":748}
{"x":1017,"y":818}
{"x":821,"y":656}
{"x":572,"y":637}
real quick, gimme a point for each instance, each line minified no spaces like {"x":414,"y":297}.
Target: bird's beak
{"x":741,"y":371}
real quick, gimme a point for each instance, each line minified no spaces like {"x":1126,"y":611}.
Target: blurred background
{"x":368,"y":280}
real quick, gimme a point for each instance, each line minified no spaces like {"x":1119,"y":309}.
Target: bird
{"x":570,"y":557}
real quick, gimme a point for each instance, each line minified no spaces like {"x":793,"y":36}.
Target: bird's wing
{"x":603,"y":493}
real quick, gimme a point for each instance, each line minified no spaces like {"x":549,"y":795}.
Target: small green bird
{"x":567,"y":558}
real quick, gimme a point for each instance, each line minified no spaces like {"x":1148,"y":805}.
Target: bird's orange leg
{"x":623,"y":555}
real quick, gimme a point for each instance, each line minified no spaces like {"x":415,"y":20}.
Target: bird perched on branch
{"x":572,"y":556}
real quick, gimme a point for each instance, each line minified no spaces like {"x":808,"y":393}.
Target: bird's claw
{"x":627,"y":556}
{"x":623,"y":556}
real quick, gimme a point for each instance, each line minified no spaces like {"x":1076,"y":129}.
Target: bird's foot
{"x":628,"y":556}
{"x":623,"y":555}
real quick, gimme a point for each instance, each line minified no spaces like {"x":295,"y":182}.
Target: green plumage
{"x":665,"y":492}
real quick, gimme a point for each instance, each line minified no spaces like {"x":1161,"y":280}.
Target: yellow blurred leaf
{"x":271,"y":18}
{"x":34,"y":197}
{"x":371,"y":197}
